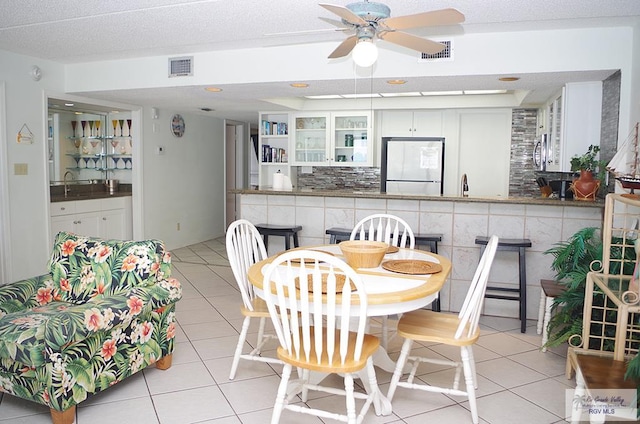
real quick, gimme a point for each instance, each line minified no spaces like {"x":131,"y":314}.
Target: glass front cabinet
{"x":332,"y":139}
{"x":351,"y":139}
{"x":310,"y":141}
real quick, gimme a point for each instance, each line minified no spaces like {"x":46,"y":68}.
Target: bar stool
{"x":430,"y":240}
{"x":520,"y":294}
{"x":550,"y":290}
{"x":287,"y":231}
{"x":338,"y":234}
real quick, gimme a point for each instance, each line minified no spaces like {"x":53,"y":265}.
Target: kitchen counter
{"x":376,"y":195}
{"x":87,"y":196}
{"x":86,"y":192}
{"x":460,"y":220}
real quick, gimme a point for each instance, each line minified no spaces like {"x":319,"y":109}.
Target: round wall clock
{"x":177,"y":125}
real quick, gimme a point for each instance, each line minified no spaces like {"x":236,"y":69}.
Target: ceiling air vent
{"x":444,"y":55}
{"x":181,"y":66}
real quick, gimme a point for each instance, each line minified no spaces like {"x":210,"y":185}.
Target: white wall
{"x":185,"y":184}
{"x":26,"y":205}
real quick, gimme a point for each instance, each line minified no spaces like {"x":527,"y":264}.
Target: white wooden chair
{"x":319,"y":310}
{"x":244,"y":248}
{"x":389,"y":229}
{"x":384,"y":227}
{"x":455,"y":330}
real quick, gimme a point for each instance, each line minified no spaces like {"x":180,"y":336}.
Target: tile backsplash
{"x":340,"y":178}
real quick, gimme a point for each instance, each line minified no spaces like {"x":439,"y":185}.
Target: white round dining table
{"x":388,"y":293}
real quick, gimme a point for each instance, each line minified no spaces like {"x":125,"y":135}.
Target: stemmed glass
{"x":94,"y":144}
{"x":74,"y":124}
{"x":129,"y":126}
{"x":114,"y":122}
{"x":84,"y":124}
{"x":121,"y":121}
{"x":98,"y":128}
{"x":114,"y":144}
{"x":90,"y":128}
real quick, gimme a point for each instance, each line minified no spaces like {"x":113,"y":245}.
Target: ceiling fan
{"x":372,"y":20}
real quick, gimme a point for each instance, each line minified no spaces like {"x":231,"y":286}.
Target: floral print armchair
{"x":105,"y":311}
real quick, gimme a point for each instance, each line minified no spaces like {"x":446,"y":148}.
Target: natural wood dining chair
{"x":454,"y":330}
{"x":319,"y":310}
{"x":244,"y":248}
{"x":389,"y":229}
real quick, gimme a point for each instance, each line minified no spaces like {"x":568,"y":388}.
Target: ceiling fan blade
{"x":434,"y":18}
{"x":344,"y":48}
{"x":411,"y":41}
{"x":345,"y":14}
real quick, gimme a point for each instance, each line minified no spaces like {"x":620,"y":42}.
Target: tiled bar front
{"x":458,"y":221}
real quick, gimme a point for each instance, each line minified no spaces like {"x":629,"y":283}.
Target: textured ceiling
{"x":75,"y":31}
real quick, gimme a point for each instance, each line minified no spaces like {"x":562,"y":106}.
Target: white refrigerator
{"x":412,"y":165}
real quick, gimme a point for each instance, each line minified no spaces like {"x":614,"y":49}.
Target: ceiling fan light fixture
{"x":365,"y":53}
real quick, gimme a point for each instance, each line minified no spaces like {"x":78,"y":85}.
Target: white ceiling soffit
{"x":72,"y":31}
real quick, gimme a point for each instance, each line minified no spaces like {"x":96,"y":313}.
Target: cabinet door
{"x":351,"y":139}
{"x":86,"y":224}
{"x":487,"y":168}
{"x":554,"y":114}
{"x":427,"y":123}
{"x":113,"y":225}
{"x":396,"y":123}
{"x":310,"y":141}
{"x":62,"y":223}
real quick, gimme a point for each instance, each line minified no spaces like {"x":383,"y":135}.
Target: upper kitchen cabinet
{"x":573,"y":121}
{"x":351,"y":139}
{"x":273,"y":146}
{"x":406,"y":123}
{"x":310,"y":141}
{"x":332,"y":139}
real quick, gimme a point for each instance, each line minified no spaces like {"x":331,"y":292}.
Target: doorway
{"x":234,"y":168}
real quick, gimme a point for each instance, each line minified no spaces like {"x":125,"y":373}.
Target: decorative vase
{"x":585,"y":187}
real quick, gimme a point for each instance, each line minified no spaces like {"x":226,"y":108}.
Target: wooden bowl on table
{"x":363,"y":253}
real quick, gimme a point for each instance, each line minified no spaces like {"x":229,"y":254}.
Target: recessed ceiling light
{"x":508,"y":79}
{"x":396,"y":82}
{"x":360,"y":96}
{"x":441,"y":93}
{"x":324,"y":97}
{"x":213,"y":89}
{"x":299,"y":85}
{"x":484,"y":91}
{"x":406,"y":94}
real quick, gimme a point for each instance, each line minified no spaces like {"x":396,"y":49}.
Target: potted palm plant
{"x":586,"y":186}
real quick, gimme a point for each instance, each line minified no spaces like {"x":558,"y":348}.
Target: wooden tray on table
{"x":411,"y":266}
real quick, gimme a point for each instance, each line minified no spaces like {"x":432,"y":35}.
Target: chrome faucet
{"x":67,"y":189}
{"x":464,"y":186}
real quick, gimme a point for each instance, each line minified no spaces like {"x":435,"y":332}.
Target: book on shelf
{"x":274,"y":128}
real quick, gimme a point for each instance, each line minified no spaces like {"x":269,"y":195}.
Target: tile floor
{"x":517,"y":383}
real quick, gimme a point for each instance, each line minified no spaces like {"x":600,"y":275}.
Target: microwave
{"x":541,"y":152}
